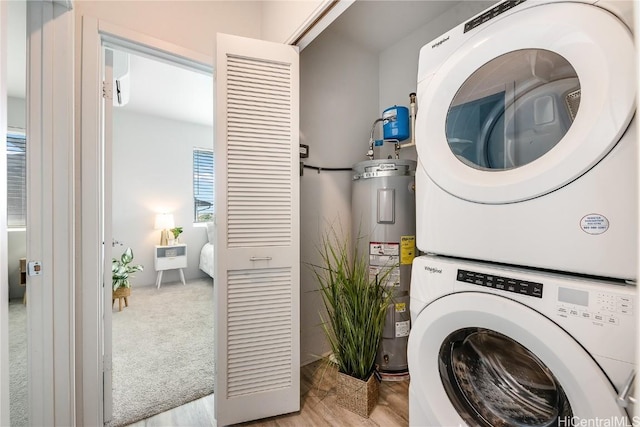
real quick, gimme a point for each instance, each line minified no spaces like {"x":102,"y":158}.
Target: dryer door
{"x":528,"y":103}
{"x":485,"y":360}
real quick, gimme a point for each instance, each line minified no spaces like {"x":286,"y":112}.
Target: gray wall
{"x":397,"y":82}
{"x":16,"y":113}
{"x":338,"y":98}
{"x":343,"y":88}
{"x":153,"y":173}
{"x":17,"y":242}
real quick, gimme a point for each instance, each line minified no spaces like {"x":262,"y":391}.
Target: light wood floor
{"x":318,"y":403}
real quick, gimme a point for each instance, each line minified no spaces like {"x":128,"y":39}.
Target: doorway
{"x":161,"y":175}
{"x":16,"y":145}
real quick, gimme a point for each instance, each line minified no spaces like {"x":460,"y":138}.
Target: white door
{"x":514,"y":111}
{"x":257,"y":343}
{"x":476,"y":356}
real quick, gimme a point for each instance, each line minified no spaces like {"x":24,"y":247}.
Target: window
{"x":203,"y":184}
{"x":16,"y":180}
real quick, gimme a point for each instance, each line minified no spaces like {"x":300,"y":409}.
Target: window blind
{"x":203,"y":185}
{"x":16,"y":180}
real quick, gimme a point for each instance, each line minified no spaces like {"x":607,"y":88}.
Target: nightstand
{"x":170,"y":258}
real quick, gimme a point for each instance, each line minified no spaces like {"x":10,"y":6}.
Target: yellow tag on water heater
{"x":407,"y":249}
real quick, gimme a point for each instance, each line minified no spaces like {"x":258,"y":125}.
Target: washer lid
{"x":593,"y":43}
{"x":588,"y":391}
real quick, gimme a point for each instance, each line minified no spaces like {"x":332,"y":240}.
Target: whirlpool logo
{"x":433,"y":269}
{"x":438,"y":43}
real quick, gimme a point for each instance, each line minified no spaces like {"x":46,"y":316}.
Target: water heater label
{"x":401,"y":307}
{"x":382,"y":257}
{"x":380,"y":248}
{"x":594,"y":224}
{"x":407,"y":249}
{"x":402,"y":329}
{"x":393,"y":276}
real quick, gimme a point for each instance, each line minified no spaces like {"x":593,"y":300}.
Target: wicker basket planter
{"x":356,"y":395}
{"x":121,"y":294}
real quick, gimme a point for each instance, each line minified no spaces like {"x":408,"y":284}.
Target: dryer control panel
{"x":491,"y":13}
{"x":599,"y":307}
{"x":517,"y":286}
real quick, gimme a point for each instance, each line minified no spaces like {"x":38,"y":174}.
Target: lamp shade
{"x":164,"y":221}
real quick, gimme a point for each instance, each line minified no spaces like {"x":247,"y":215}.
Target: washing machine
{"x":526,"y":141}
{"x":493,"y":345}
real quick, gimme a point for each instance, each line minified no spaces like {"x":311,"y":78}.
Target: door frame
{"x":97,"y":34}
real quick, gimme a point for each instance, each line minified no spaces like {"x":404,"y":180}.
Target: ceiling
{"x":156,"y":88}
{"x":377,"y":25}
{"x":169,"y":91}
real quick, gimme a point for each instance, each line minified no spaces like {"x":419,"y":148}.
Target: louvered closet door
{"x":257,"y":332}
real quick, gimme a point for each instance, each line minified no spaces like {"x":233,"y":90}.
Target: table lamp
{"x":164,"y":222}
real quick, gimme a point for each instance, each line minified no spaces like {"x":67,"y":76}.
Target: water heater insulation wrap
{"x":383,"y":200}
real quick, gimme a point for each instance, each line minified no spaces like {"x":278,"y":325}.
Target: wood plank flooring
{"x":318,"y":406}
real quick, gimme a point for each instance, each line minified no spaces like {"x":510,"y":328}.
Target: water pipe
{"x":371,"y":141}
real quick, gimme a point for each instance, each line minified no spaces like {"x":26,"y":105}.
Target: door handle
{"x":260,"y":258}
{"x":624,"y":399}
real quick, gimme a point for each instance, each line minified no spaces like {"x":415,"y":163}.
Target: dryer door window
{"x":513,"y":110}
{"x":492,"y":380}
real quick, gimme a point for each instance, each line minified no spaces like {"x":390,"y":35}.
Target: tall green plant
{"x":122,"y":270}
{"x":356,"y":305}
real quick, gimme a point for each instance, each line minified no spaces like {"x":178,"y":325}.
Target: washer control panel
{"x":599,"y":307}
{"x":517,"y":286}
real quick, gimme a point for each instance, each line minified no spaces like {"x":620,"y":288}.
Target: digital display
{"x":573,"y":296}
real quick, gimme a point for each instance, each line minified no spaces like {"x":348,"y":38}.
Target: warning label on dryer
{"x":594,"y":224}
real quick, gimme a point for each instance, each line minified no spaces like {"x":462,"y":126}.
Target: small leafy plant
{"x":356,"y":305}
{"x":122,"y":270}
{"x":176,"y":232}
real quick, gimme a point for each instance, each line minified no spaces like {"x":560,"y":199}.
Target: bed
{"x":207,"y":257}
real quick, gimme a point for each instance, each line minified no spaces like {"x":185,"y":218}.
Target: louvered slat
{"x":259,"y":330}
{"x":259,"y":104}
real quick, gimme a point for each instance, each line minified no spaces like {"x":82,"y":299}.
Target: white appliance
{"x":526,"y":147}
{"x":498,"y":346}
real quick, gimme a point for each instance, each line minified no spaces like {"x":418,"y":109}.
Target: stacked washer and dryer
{"x":523,"y":308}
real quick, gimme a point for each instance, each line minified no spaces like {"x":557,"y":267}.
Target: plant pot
{"x":356,"y":395}
{"x":121,"y":294}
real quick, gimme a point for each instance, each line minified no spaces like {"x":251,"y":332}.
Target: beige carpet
{"x":17,"y":364}
{"x":162,"y":349}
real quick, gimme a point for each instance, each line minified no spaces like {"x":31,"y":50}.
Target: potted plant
{"x":356,"y":307}
{"x":176,"y":232}
{"x":121,"y":272}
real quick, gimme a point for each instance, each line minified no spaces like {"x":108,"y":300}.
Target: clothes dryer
{"x":526,"y":145}
{"x":498,"y":346}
